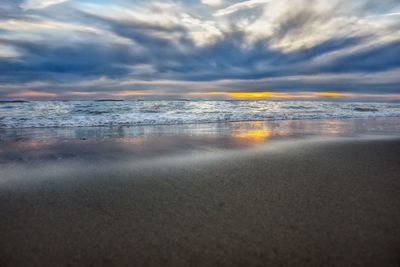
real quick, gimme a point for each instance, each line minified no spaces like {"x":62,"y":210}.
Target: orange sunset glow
{"x":277,"y":95}
{"x":332,"y":94}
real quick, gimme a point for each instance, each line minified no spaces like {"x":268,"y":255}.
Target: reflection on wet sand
{"x":254,"y":136}
{"x":152,"y":141}
{"x":255,"y":133}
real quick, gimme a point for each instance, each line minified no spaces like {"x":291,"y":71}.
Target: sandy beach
{"x":319,"y":200}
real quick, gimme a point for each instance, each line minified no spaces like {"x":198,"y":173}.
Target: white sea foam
{"x":92,"y":113}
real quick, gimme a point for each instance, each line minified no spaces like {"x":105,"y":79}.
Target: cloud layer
{"x":83,"y":47}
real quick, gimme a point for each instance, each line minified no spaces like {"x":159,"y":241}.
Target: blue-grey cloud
{"x":65,"y":45}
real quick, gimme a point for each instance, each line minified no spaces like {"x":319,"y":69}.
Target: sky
{"x":207,"y":49}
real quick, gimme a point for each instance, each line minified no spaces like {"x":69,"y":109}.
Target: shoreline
{"x":171,"y":127}
{"x":383,"y":117}
{"x":125,"y":114}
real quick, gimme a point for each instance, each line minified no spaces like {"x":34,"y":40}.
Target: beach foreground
{"x":310,"y":202}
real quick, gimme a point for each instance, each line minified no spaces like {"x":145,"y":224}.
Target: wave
{"x":366,"y":109}
{"x":129,"y":113}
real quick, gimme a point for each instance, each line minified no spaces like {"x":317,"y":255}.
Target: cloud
{"x":392,"y":14}
{"x":8,"y":52}
{"x":376,"y":58}
{"x":240,"y":6}
{"x":212,"y":2}
{"x":39,"y":4}
{"x":180,"y":47}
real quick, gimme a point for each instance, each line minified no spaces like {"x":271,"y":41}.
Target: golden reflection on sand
{"x":255,"y":134}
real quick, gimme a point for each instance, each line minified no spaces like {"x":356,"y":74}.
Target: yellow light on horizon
{"x":250,"y":94}
{"x":331,"y":94}
{"x":223,"y":94}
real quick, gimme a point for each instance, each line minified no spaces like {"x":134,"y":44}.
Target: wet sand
{"x":318,"y":201}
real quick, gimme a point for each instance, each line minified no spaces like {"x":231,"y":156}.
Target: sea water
{"x":113,"y":113}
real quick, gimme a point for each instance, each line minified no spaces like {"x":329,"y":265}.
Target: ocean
{"x":36,"y":114}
